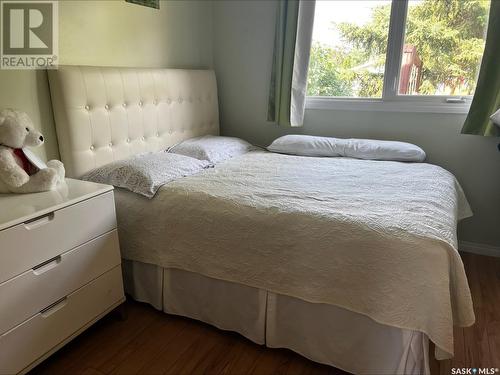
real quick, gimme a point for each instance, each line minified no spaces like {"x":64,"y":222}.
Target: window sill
{"x":401,"y":104}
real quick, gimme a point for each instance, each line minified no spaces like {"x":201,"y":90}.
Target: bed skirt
{"x":323,"y":333}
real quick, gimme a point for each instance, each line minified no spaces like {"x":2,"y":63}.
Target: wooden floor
{"x":151,"y":342}
{"x":479,"y":346}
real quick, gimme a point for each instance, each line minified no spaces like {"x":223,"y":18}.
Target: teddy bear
{"x":17,"y":173}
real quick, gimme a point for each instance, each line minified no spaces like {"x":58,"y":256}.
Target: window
{"x":415,"y":55}
{"x":341,"y":64}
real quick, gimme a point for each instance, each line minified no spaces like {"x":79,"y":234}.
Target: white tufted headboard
{"x":105,"y":114}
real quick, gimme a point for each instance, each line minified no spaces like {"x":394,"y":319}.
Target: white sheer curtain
{"x":305,"y":24}
{"x":292,"y":45}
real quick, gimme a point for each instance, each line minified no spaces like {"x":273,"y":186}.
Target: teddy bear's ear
{"x":10,"y":112}
{"x":4,"y":113}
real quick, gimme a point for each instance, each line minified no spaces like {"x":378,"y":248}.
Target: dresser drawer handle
{"x":38,"y":221}
{"x":47,"y":265}
{"x":52,"y":308}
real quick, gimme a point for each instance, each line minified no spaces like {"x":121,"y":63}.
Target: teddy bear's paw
{"x":18,"y":179}
{"x":58,"y":167}
{"x":48,"y":177}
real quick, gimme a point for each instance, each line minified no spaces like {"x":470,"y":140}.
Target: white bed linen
{"x":369,"y":149}
{"x":323,"y":333}
{"x":377,"y":238}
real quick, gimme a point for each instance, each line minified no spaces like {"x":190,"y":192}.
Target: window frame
{"x":391,"y":101}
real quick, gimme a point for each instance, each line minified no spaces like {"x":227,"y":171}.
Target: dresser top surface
{"x":19,"y":208}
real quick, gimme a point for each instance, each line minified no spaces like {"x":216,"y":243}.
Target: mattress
{"x":375,"y":238}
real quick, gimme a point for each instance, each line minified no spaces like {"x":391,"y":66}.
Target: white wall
{"x":117,"y":33}
{"x":243,"y":44}
{"x":113,"y":33}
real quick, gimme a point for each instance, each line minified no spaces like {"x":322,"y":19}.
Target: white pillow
{"x":145,"y":174}
{"x":307,"y":145}
{"x":214,"y":149}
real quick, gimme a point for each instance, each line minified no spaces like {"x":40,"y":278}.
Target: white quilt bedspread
{"x":375,"y":237}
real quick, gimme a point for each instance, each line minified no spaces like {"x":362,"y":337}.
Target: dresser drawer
{"x":30,"y":340}
{"x":26,"y":294}
{"x":28,"y":244}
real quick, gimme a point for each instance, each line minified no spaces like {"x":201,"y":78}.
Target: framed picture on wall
{"x":148,"y":3}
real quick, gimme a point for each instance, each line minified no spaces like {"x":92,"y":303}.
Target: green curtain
{"x":284,"y":52}
{"x":487,"y":96}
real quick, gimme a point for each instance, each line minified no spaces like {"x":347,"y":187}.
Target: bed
{"x":351,"y":263}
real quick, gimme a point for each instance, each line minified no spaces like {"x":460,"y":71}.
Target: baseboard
{"x":479,"y":248}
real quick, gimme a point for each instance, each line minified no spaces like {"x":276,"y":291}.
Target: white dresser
{"x":60,"y":269}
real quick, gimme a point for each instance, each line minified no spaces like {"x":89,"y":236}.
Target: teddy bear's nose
{"x":41,"y":138}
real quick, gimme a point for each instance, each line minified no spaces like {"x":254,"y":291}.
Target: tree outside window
{"x":443,"y":46}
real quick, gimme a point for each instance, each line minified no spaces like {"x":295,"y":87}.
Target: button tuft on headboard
{"x":127,"y":93}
